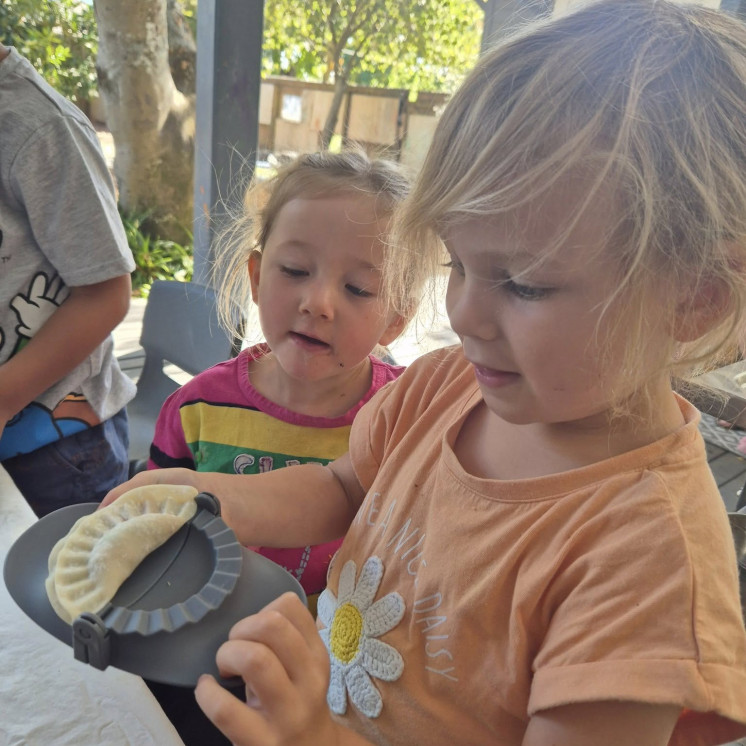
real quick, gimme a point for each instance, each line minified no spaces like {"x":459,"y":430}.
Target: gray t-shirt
{"x":59,"y":227}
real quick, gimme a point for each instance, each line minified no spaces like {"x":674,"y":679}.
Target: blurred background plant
{"x":59,"y":38}
{"x":155,"y":258}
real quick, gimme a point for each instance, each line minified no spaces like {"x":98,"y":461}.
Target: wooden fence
{"x":292,"y":114}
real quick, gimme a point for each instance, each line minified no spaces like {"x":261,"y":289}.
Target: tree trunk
{"x":151,"y":121}
{"x":182,"y":49}
{"x":340,"y":88}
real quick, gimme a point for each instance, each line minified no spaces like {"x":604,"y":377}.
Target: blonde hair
{"x":308,"y":176}
{"x":643,"y":98}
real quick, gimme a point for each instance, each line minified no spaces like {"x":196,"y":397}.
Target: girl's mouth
{"x":494,"y":378}
{"x":306,"y":341}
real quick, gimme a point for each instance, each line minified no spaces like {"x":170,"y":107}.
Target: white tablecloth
{"x":47,"y":698}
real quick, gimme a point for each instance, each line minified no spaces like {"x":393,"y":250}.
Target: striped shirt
{"x":219,"y":422}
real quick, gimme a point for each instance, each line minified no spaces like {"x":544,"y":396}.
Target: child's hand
{"x":152,"y":476}
{"x":279,"y":654}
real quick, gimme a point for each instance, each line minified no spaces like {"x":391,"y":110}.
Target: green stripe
{"x":230,"y":459}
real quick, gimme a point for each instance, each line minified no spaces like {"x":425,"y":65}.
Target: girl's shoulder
{"x":384,"y":371}
{"x":220,"y":382}
{"x":435,"y":372}
{"x":440,"y":383}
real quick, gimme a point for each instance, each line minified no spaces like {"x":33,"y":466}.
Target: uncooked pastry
{"x":101,"y":550}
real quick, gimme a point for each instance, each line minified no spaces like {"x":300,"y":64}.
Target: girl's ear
{"x":393,"y":330}
{"x":700,"y":308}
{"x":255,"y":263}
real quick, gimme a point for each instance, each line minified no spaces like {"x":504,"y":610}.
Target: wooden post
{"x":500,"y":16}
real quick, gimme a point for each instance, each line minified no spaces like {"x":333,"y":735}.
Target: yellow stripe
{"x":245,"y":428}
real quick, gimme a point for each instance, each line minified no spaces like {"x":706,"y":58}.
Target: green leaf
{"x":59,"y":38}
{"x":155,"y":258}
{"x":419,"y":44}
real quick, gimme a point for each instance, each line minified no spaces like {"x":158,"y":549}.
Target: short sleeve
{"x":623,"y":586}
{"x":370,"y":433}
{"x":437,"y":377}
{"x":169,"y":448}
{"x":71,"y":208}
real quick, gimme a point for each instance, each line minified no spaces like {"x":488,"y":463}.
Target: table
{"x":727,"y":463}
{"x":722,"y":392}
{"x":47,"y":698}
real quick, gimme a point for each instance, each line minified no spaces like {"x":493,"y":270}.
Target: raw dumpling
{"x":101,"y":550}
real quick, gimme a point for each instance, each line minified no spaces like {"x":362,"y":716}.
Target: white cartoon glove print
{"x":44,"y":297}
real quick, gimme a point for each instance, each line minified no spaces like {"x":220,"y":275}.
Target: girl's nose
{"x":472,"y":313}
{"x":318,"y":300}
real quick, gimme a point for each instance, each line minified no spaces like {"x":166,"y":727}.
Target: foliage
{"x":415,"y":44}
{"x":188,"y":9}
{"x":155,"y":258}
{"x":59,"y":38}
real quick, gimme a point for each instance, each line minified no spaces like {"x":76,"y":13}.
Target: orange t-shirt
{"x":457,"y":607}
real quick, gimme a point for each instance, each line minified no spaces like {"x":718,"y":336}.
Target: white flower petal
{"x":381,"y":660}
{"x":336,"y":694}
{"x":383,"y":615}
{"x":367,"y":584}
{"x":363,"y":692}
{"x":355,"y":601}
{"x":325,"y":634}
{"x":346,"y":585}
{"x":327,"y":605}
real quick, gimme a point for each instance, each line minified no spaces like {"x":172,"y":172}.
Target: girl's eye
{"x":292,"y":272}
{"x":358,"y":292}
{"x":526,"y":292}
{"x":454,"y":266}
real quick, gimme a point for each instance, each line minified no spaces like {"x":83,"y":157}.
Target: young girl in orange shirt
{"x":536,"y":551}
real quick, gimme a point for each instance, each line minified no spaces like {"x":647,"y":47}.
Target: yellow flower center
{"x":347,"y":628}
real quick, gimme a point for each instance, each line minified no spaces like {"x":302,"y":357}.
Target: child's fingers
{"x":286,"y":627}
{"x":292,"y":608}
{"x":293,"y":711}
{"x":139,"y":480}
{"x":153,"y":476}
{"x":268,"y":686}
{"x":281,"y":658}
{"x":239,"y":723}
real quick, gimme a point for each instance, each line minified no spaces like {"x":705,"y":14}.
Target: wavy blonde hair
{"x":646,"y":100}
{"x":309,"y":176}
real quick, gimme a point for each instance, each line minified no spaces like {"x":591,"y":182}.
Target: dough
{"x":102,"y":549}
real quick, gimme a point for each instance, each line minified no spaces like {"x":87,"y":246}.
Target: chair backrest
{"x":180,"y":326}
{"x":738,"y":527}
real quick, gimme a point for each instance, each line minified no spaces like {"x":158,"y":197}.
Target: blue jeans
{"x":80,"y":468}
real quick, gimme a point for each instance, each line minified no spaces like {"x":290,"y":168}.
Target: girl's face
{"x":317,"y":286}
{"x":532,"y":333}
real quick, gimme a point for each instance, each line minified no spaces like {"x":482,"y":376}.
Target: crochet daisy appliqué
{"x":352,"y":624}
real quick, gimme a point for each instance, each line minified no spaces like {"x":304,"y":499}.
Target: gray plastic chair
{"x":180,"y":326}
{"x":738,"y":527}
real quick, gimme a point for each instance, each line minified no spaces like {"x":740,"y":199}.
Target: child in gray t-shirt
{"x":64,"y":285}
